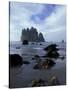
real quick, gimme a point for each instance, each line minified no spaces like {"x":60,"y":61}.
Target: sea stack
{"x":31,"y":35}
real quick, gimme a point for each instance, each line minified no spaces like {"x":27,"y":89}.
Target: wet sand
{"x":23,"y":76}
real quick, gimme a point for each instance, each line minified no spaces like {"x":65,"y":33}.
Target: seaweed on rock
{"x":47,"y":64}
{"x":54,"y":81}
{"x":36,"y":83}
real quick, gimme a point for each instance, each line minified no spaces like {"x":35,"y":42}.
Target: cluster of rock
{"x":17,"y":60}
{"x":40,"y":82}
{"x":32,"y":35}
{"x":46,"y":64}
{"x":48,"y":61}
{"x":52,"y":51}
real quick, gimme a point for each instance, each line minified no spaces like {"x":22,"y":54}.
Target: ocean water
{"x":23,"y":76}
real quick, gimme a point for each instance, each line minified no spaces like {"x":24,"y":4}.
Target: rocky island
{"x":31,"y":35}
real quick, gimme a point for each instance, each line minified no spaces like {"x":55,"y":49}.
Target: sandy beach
{"x":24,"y":75}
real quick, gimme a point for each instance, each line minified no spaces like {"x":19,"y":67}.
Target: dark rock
{"x":45,"y":64}
{"x":32,"y":43}
{"x":41,"y":81}
{"x":41,"y":38}
{"x":43,"y":56}
{"x":26,"y":62}
{"x":51,"y":47}
{"x":17,"y":47}
{"x":62,"y":57}
{"x":40,"y":44}
{"x":52,"y":54}
{"x":36,"y":66}
{"x":36,"y":83}
{"x":15,"y":60}
{"x":54,"y":81}
{"x":62,"y":41}
{"x":33,"y":58}
{"x":37,"y":58}
{"x":48,"y":64}
{"x":52,"y":51}
{"x":25,"y":42}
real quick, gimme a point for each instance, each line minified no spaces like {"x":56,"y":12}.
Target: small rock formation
{"x":32,"y":43}
{"x":37,"y":66}
{"x":31,"y":35}
{"x":40,"y":38}
{"x":62,"y":41}
{"x":25,"y":42}
{"x":51,"y":47}
{"x":47,"y":64}
{"x":52,"y":51}
{"x":17,"y":47}
{"x":52,"y":54}
{"x":40,"y":43}
{"x":37,"y":58}
{"x":37,"y":83}
{"x":54,"y":81}
{"x":15,"y":60}
{"x":62,"y":58}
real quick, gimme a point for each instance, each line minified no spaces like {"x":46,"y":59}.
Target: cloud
{"x":55,"y":24}
{"x":48,"y":19}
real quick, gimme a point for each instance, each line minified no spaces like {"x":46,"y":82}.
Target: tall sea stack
{"x":32,"y":35}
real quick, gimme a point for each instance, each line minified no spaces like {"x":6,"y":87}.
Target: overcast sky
{"x":50,"y":19}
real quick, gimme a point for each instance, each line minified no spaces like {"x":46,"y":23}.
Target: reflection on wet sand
{"x":38,"y":69}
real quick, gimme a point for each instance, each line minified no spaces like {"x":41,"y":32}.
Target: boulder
{"x":52,"y":51}
{"x":17,"y":47}
{"x":62,"y":58}
{"x":52,"y":54}
{"x":32,"y":43}
{"x":40,"y":43}
{"x":51,"y":47}
{"x":48,"y":64}
{"x":25,"y":42}
{"x":15,"y":60}
{"x":37,"y":58}
{"x":54,"y":81}
{"x":37,"y":66}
